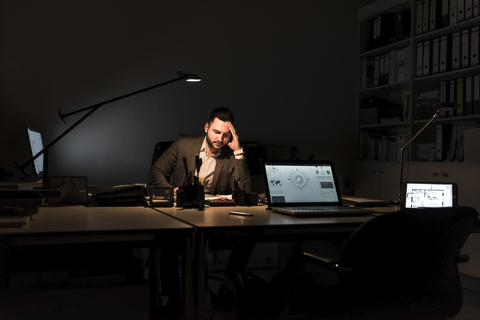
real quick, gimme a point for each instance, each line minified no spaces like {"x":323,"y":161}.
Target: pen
{"x":237,"y":213}
{"x":187,"y":173}
{"x":197,"y":168}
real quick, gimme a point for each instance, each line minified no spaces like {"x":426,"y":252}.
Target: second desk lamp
{"x":441,"y":106}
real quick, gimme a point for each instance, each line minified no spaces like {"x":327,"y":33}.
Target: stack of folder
{"x":122,"y":195}
{"x":18,"y":205}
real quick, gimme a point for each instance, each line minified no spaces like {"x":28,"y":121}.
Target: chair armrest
{"x":463,"y":257}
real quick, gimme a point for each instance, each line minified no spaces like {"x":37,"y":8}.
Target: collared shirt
{"x":209,"y":161}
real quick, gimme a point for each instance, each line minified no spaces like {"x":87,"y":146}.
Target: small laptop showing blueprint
{"x":429,"y":195}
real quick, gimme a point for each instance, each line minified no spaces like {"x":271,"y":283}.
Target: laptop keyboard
{"x":324,"y":208}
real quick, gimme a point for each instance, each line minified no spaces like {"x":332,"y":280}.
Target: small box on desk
{"x":471,"y":141}
{"x":161,"y":196}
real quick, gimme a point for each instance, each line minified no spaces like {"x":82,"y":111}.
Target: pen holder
{"x":240,"y":197}
{"x":192,"y":196}
{"x":161,"y":196}
{"x":252,"y":199}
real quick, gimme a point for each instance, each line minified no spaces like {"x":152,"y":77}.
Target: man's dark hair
{"x":222,"y":114}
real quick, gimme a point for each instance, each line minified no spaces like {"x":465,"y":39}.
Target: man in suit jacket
{"x":223,"y":159}
{"x":223,"y":163}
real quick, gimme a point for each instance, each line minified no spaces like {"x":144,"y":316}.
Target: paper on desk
{"x":218,"y":196}
{"x":358,"y":201}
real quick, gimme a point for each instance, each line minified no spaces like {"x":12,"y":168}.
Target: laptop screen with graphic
{"x":300,"y":183}
{"x":305,"y":188}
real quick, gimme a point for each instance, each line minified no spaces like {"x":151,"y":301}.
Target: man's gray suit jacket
{"x":170,"y":163}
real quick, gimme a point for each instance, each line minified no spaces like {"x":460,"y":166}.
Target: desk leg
{"x":4,"y":253}
{"x":154,"y":280}
{"x":188,"y":284}
{"x":202,"y":252}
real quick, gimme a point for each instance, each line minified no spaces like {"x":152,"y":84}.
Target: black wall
{"x":287,"y":69}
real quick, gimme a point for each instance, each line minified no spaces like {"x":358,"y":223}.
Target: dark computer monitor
{"x":36,"y":145}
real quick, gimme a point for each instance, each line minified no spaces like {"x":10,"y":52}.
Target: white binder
{"x":435,"y":55}
{"x":426,"y":58}
{"x":456,"y":50}
{"x":419,"y":72}
{"x":474,"y":43}
{"x":465,"y":48}
{"x":443,"y":54}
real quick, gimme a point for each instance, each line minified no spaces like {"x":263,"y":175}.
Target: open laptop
{"x":36,"y":145}
{"x":429,"y":195}
{"x":305,"y":188}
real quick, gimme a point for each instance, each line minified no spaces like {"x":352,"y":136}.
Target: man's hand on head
{"x":235,"y":143}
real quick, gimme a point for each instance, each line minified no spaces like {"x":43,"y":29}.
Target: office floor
{"x":471,"y":306}
{"x":470,"y":309}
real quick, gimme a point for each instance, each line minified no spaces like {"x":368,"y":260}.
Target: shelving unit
{"x":381,"y":179}
{"x":377,"y":174}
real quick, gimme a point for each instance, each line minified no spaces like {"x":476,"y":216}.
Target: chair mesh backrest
{"x":410,"y":255}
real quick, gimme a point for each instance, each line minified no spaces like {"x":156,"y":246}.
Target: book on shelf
{"x":450,"y":141}
{"x":381,"y":146}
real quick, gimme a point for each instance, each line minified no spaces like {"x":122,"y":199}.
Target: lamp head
{"x":446,"y":106}
{"x":190,"y":77}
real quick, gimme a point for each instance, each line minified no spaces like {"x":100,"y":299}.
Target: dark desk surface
{"x":216,"y":221}
{"x":99,"y":223}
{"x":92,"y":219}
{"x":219,"y":217}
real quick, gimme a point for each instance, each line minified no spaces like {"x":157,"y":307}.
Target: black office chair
{"x":160,"y":149}
{"x":396,"y":266}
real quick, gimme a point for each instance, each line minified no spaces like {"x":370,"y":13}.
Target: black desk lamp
{"x":441,"y":106}
{"x":186,"y":77}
